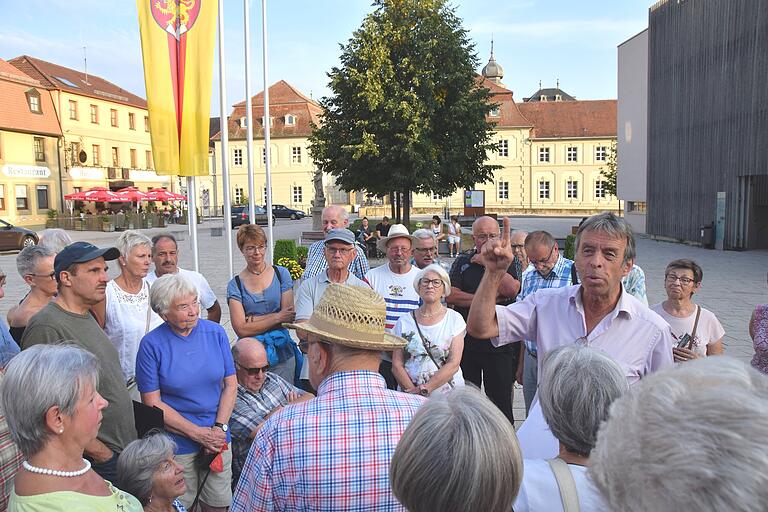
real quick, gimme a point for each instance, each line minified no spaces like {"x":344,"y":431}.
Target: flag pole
{"x":227,"y":210}
{"x":267,"y":124}
{"x":249,"y":111}
{"x":192,"y":220}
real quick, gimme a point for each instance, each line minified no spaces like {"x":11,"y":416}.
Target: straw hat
{"x":395,"y":231}
{"x":353,"y":316}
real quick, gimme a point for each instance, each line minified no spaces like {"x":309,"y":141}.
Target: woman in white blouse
{"x":125,"y":314}
{"x":698,"y":332}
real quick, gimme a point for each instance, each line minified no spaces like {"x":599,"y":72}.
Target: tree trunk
{"x":397,"y":208}
{"x":407,"y":208}
{"x":392,"y":204}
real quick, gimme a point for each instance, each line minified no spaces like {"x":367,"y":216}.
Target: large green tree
{"x":407,"y":113}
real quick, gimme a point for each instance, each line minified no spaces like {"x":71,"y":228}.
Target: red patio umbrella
{"x":131,"y":194}
{"x":160,"y":194}
{"x":97,"y":194}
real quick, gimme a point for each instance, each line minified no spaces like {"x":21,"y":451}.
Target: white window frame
{"x":239,"y":195}
{"x":20,"y":191}
{"x":494,"y":112}
{"x":544,"y":189}
{"x":600,"y":189}
{"x":96,"y":155}
{"x":297,"y":194}
{"x":572,"y":189}
{"x":601,"y":153}
{"x":237,"y":157}
{"x":544,"y":155}
{"x":290,"y":120}
{"x":295,"y":154}
{"x":503,"y":190}
{"x":436,"y":196}
{"x":504,"y":148}
{"x":572,"y":154}
{"x":73,"y":110}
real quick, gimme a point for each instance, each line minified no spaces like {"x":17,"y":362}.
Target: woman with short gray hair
{"x":35,"y":266}
{"x":458,"y":453}
{"x":55,"y":239}
{"x":578,"y":386}
{"x":125,"y":313}
{"x":184,"y":367}
{"x":50,"y":399}
{"x":148,"y":470}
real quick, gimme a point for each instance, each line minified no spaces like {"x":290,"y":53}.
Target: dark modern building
{"x":707,"y":119}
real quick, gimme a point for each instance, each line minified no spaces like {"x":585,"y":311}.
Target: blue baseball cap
{"x":80,"y":252}
{"x":340,"y":234}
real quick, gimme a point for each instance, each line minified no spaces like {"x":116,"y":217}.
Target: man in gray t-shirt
{"x":81,"y":273}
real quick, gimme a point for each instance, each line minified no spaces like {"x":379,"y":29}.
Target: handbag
{"x":569,"y":495}
{"x":426,"y":347}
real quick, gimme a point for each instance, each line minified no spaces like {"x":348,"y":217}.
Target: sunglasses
{"x":253,"y":372}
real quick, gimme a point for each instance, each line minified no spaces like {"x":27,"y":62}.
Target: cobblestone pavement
{"x":734,"y":282}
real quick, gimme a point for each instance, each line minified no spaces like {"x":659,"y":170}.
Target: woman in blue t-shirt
{"x":260,"y":300}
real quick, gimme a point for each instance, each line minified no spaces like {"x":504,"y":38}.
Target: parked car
{"x":283,"y":212}
{"x":14,"y":237}
{"x":240,"y":216}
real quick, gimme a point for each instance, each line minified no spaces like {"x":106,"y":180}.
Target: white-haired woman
{"x":125,"y":313}
{"x":35,"y":266}
{"x":55,"y":239}
{"x":578,"y":387}
{"x":149,"y":471}
{"x":185,"y":368}
{"x":435,"y":335}
{"x":53,"y":411}
{"x":458,"y":453}
{"x":690,"y":437}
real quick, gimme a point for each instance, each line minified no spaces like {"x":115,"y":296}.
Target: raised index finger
{"x":505,"y":236}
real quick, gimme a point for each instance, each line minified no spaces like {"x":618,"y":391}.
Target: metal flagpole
{"x":249,"y":111}
{"x":192,"y":220}
{"x":267,"y":124}
{"x":227,"y":210}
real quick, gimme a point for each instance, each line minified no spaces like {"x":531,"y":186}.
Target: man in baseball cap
{"x":81,"y":272}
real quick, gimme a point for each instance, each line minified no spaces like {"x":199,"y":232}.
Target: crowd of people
{"x":376,"y":389}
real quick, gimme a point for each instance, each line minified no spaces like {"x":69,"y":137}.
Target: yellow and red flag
{"x":177,"y":42}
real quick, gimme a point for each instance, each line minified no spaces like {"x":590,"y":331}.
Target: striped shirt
{"x":397,"y":289}
{"x":250,"y":411}
{"x":558,"y":277}
{"x":329,"y":453}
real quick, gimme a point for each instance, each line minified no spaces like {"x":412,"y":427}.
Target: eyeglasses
{"x":545,"y":260}
{"x":517,"y":247}
{"x":304,"y":344}
{"x":52,"y":275}
{"x":671,"y":278}
{"x":253,"y":372}
{"x":255,"y":248}
{"x":426,"y":249}
{"x":434,"y":282}
{"x":483,"y":238}
{"x":399,"y":250}
{"x":339,"y":250}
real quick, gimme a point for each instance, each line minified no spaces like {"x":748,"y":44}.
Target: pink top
{"x":760,"y":338}
{"x":638,"y":339}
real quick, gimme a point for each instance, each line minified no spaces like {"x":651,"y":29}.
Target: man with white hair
{"x":688,"y":438}
{"x":333,"y":452}
{"x":425,"y":250}
{"x":334,"y":217}
{"x":598,"y":312}
{"x":165,"y":255}
{"x":260,"y":393}
{"x":394,"y":282}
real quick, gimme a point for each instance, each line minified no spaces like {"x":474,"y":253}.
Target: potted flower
{"x":106,"y":223}
{"x":51,"y":222}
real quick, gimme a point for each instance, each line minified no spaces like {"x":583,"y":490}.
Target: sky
{"x":534,"y":40}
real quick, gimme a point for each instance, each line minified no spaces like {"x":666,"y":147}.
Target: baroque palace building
{"x":29,"y":157}
{"x":551,"y":149}
{"x":105,"y":139}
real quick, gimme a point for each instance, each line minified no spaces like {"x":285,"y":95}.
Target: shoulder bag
{"x":566,"y":484}
{"x":426,"y":347}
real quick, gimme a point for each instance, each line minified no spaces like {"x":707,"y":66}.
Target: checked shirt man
{"x":333,"y":452}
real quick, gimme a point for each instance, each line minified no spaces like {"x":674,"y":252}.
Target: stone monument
{"x":318,"y":203}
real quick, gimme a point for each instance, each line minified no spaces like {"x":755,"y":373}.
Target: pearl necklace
{"x":54,"y":472}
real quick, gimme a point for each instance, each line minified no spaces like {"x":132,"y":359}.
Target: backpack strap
{"x":566,"y":484}
{"x":574,"y":276}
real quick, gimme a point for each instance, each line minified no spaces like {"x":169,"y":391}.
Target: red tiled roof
{"x":284,"y":99}
{"x":588,"y":118}
{"x":51,"y":75}
{"x":509,"y":113}
{"x":14,"y":107}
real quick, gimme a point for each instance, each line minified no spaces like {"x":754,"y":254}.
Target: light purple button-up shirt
{"x":638,"y":339}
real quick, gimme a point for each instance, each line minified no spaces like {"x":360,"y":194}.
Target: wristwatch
{"x":423,"y":391}
{"x":222,"y":426}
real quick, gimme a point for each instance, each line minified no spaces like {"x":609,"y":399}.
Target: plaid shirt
{"x":316,"y":262}
{"x":329,"y":453}
{"x":558,"y":277}
{"x":634,"y":283}
{"x":250,"y":410}
{"x":10,"y":461}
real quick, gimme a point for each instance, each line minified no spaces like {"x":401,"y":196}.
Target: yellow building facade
{"x":105,"y":130}
{"x":29,"y":142}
